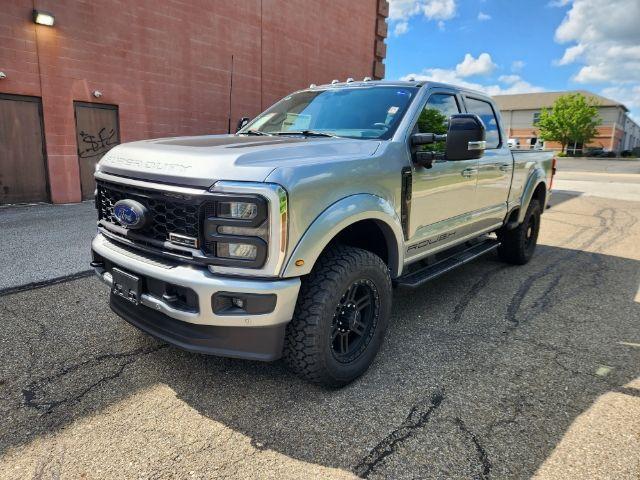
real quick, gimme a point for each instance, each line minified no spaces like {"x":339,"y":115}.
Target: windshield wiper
{"x":255,"y":132}
{"x":306,"y":133}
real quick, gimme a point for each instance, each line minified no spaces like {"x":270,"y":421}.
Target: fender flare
{"x":339,"y":216}
{"x":536,"y":178}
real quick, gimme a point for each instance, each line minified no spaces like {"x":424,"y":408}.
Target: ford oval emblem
{"x":130,"y":214}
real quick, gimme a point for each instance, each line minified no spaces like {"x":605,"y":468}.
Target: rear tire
{"x":341,"y":316}
{"x":517,"y":245}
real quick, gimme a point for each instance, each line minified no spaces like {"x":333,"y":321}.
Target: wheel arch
{"x":364,"y":221}
{"x":536,"y":188}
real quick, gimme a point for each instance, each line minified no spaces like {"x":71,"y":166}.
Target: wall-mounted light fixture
{"x":3,"y":75}
{"x":97,"y":93}
{"x":43,"y":18}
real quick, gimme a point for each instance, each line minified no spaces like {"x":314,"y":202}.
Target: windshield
{"x":354,"y":112}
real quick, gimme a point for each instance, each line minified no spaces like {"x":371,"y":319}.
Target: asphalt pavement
{"x":491,"y":371}
{"x":43,"y":242}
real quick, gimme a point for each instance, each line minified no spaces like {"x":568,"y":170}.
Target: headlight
{"x":236,"y":231}
{"x":241,"y":210}
{"x":246,"y":228}
{"x":261,"y":232}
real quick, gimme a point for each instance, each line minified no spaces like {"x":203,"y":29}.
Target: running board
{"x":417,"y":278}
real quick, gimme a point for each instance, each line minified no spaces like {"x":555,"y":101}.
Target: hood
{"x":201,"y":161}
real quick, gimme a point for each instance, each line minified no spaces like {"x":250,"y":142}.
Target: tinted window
{"x":435,"y":117}
{"x":358,"y":112}
{"x":485,"y":112}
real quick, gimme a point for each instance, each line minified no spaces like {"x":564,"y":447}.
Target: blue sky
{"x":518,"y":46}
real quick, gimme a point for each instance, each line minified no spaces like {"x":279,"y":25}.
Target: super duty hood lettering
{"x":147,"y":164}
{"x":201,"y":161}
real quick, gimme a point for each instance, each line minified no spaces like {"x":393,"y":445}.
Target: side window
{"x":485,"y":112}
{"x":435,"y":117}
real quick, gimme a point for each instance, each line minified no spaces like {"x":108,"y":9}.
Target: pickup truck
{"x":287,"y":238}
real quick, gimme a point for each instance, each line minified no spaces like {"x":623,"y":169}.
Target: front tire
{"x":517,"y":245}
{"x":341,"y":316}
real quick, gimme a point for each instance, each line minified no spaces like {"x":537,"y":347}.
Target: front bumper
{"x":200,"y":329}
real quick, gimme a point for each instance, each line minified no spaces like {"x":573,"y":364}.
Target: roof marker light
{"x":366,"y":79}
{"x":334,"y":81}
{"x":349,"y":80}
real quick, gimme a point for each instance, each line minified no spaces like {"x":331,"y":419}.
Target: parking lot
{"x":491,"y":371}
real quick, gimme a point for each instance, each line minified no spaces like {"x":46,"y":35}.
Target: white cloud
{"x":432,"y":9}
{"x":608,"y":45}
{"x":437,"y":10}
{"x":483,"y":65}
{"x":571,"y":54}
{"x":629,"y":95}
{"x":558,"y":3}
{"x":509,"y":79}
{"x":605,"y":47}
{"x":507,"y":84}
{"x":400,"y":29}
{"x":517,"y":65}
{"x":483,"y":16}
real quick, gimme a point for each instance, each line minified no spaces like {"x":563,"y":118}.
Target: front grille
{"x":190,"y":215}
{"x":168,"y":215}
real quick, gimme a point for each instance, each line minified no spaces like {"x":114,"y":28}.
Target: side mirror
{"x":418,"y":139}
{"x":465,"y":137}
{"x":242,"y":123}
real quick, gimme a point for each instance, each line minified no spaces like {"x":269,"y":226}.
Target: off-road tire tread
{"x":301,"y":350}
{"x":512,"y":242}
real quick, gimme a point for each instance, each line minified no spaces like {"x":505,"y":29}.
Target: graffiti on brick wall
{"x":96,"y":145}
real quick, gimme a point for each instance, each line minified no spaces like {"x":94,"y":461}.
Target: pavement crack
{"x":483,"y":458}
{"x":518,"y":408}
{"x":34,"y":394}
{"x":45,"y":283}
{"x":417,"y":418}
{"x":472,"y":293}
{"x":518,"y":298}
{"x":606,"y":217}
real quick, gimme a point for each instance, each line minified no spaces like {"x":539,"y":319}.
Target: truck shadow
{"x":482,"y":370}
{"x":509,"y":356}
{"x":561,"y":196}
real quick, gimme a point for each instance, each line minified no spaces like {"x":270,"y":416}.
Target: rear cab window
{"x":485,"y":111}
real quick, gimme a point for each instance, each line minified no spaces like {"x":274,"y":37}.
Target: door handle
{"x":505,"y":167}
{"x":469,"y":172}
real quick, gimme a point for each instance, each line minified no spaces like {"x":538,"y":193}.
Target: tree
{"x":573,"y":118}
{"x":431,"y":120}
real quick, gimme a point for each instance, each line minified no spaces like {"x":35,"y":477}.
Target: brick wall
{"x":167,"y":65}
{"x":608,"y":137}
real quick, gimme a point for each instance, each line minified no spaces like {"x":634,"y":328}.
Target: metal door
{"x":97,"y":132}
{"x":495,"y":166}
{"x":23,"y":174}
{"x":443,"y":195}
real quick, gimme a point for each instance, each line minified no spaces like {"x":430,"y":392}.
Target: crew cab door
{"x":444,"y":194}
{"x":495,"y":167}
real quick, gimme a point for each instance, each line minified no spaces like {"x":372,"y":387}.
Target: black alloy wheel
{"x":355,"y":320}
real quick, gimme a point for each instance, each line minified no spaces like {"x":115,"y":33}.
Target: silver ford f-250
{"x":286,"y":238}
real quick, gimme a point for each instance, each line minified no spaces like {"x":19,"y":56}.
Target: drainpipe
{"x":613,"y":135}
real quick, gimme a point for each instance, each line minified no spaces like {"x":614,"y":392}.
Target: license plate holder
{"x":126,"y":285}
